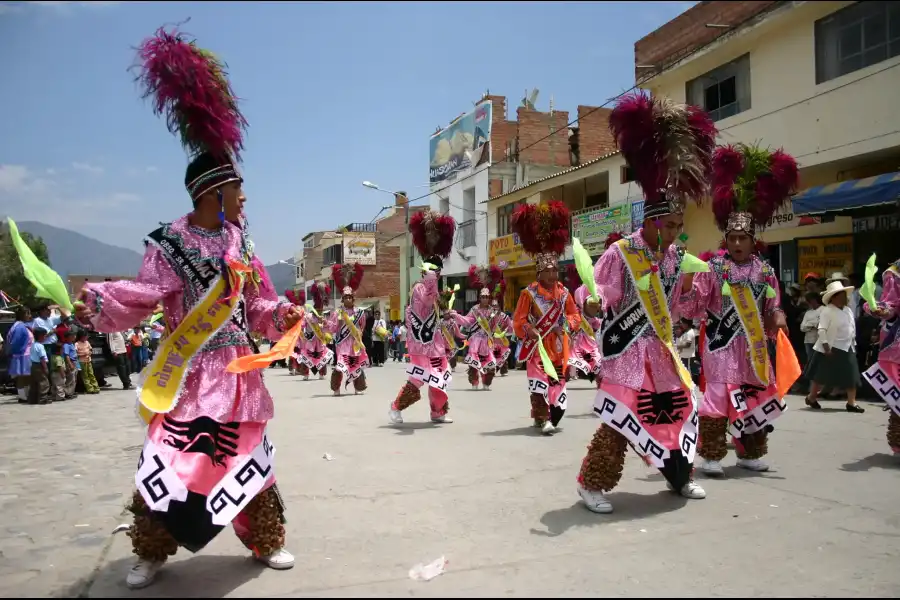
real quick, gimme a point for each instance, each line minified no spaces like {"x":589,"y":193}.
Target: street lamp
{"x":404,"y":272}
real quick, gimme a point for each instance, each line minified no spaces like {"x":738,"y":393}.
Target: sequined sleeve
{"x":573,"y":315}
{"x":890,"y":295}
{"x":266,"y":289}
{"x":774,"y":303}
{"x":609,"y":275}
{"x":468,"y":320}
{"x":120,"y":305}
{"x":265,"y":316}
{"x":694,"y":306}
{"x":332,"y":323}
{"x":425,"y":293}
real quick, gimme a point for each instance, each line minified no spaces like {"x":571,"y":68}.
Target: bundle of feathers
{"x":189,"y":87}
{"x":490,"y":278}
{"x":753,"y":180}
{"x":612,"y":238}
{"x":321,"y":292}
{"x":432,"y":233}
{"x":298,"y":298}
{"x":542,"y":228}
{"x":668,"y":146}
{"x":347,"y":275}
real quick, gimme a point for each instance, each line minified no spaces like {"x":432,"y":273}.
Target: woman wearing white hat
{"x":833,"y":363}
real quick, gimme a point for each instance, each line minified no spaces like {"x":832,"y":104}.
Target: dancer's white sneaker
{"x":442,"y":419}
{"x":278,"y":560}
{"x":753,"y":464}
{"x":547,"y":428}
{"x":712,"y":468}
{"x":691,"y":490}
{"x":395,"y":417}
{"x":595,"y":501}
{"x":143,"y":573}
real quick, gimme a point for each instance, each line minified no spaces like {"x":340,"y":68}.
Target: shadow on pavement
{"x":590,"y":415}
{"x":200,"y":576}
{"x":627,"y":507}
{"x":409,"y":428}
{"x":880,"y":461}
{"x":526,"y":431}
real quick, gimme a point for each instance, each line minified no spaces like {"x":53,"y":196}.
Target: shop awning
{"x":848,"y":195}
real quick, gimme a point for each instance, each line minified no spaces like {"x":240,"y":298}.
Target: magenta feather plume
{"x":432,"y":233}
{"x":189,"y":86}
{"x":706,"y":255}
{"x":474,"y":279}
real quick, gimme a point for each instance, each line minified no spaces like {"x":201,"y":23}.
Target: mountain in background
{"x":74,"y":253}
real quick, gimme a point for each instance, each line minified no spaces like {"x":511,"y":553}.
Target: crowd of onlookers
{"x":51,"y":358}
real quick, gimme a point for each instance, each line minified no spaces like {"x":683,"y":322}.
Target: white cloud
{"x":80,"y":166}
{"x":25,"y":195}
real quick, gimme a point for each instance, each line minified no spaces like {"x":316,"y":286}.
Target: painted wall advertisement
{"x":463,"y":144}
{"x":360,"y":248}
{"x":507,"y":253}
{"x":825,"y":255}
{"x":592,"y":226}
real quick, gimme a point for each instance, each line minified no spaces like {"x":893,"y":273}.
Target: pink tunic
{"x":890,"y":300}
{"x":209,"y":391}
{"x":617,"y":292}
{"x":731,"y":363}
{"x":336,"y":326}
{"x":478,"y":341}
{"x":422,"y":322}
{"x":583,"y":346}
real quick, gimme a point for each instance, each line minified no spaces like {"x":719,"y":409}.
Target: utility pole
{"x":401,"y":198}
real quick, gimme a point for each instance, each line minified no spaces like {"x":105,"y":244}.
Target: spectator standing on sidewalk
{"x":120,"y":352}
{"x":85,"y":356}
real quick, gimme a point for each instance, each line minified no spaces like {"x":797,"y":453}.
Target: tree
{"x":12,"y":279}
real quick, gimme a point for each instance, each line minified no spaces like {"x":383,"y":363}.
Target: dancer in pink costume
{"x":502,"y":326}
{"x":315,"y":355}
{"x":884,"y":375}
{"x":453,"y":337}
{"x":646,"y":397}
{"x":346,"y":324}
{"x":297,"y":299}
{"x":480,"y":356}
{"x":584,"y":353}
{"x":192,"y":479}
{"x":432,"y":235}
{"x":739,"y":298}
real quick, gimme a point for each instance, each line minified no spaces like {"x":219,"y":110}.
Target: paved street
{"x":487,"y":492}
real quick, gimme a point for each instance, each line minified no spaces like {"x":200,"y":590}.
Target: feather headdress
{"x":432,"y":235}
{"x":543,"y":230}
{"x":321,"y":293}
{"x":487,"y":278}
{"x":347,"y":277}
{"x":189,"y":87}
{"x":669,"y":148}
{"x":298,"y":298}
{"x":612,"y":238}
{"x":750,"y":184}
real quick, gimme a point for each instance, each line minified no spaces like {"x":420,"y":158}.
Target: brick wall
{"x":383,"y":279}
{"x":688,"y":32}
{"x":594,"y":137}
{"x":495,"y":188}
{"x":503,"y":132}
{"x":535,"y":145}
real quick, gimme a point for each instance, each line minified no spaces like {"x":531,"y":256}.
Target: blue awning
{"x":847,"y":195}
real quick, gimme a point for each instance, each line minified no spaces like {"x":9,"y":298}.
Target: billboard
{"x":591,"y":226}
{"x":462,"y":145}
{"x":507,"y":252}
{"x":359,"y":248}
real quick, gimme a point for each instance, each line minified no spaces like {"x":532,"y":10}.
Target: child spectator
{"x":72,"y":364}
{"x":84,"y":350}
{"x":58,"y":372}
{"x":39,"y":390}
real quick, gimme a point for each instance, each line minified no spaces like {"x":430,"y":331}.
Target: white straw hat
{"x":833,"y":288}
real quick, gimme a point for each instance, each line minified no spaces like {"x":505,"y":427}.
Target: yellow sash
{"x":486,"y":328}
{"x":586,"y":327}
{"x":354,"y":331}
{"x":161,"y":386}
{"x":748,"y":311}
{"x":655,"y":305}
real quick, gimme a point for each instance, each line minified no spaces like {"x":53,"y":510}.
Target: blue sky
{"x":335,"y":93}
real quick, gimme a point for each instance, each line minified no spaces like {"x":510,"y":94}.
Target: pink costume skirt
{"x":884,"y":377}
{"x":584,"y":355}
{"x":479,"y":356}
{"x":553,"y":391}
{"x":434,"y":372}
{"x":315,"y":356}
{"x":748,"y":408}
{"x":197,"y":476}
{"x":660,"y":426}
{"x":351,"y":365}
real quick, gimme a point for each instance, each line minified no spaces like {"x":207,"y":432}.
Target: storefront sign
{"x":508,"y":249}
{"x":785,"y":218}
{"x":637,"y":215}
{"x":591,"y":226}
{"x":879,"y":223}
{"x":825,"y":255}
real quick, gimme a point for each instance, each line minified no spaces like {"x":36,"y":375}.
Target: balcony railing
{"x":362,"y":227}
{"x":465,"y":234}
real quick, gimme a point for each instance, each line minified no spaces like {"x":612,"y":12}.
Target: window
{"x":723,"y":92}
{"x":445,"y":206}
{"x":465,"y":234}
{"x":601,"y":200}
{"x":859,"y":36}
{"x":627,"y":174}
{"x":503,"y":215}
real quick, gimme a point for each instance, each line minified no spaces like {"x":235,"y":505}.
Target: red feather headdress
{"x":298,"y":298}
{"x":750,"y":184}
{"x":612,"y":238}
{"x":432,"y":234}
{"x":490,"y":278}
{"x":668,"y":146}
{"x":543,"y":230}
{"x":347,"y":276}
{"x":189,"y":86}
{"x":321,"y":293}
